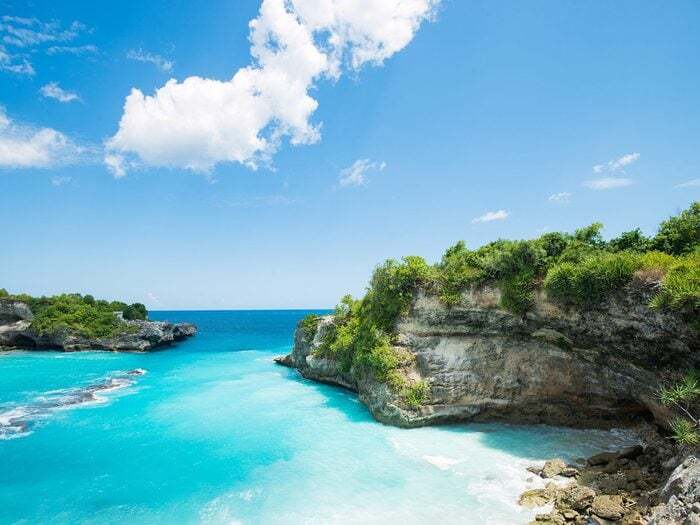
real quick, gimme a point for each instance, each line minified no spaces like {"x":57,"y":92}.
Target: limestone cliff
{"x":594,"y":366}
{"x":16,"y":332}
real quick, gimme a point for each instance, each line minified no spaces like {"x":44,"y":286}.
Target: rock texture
{"x":597,"y":366}
{"x":16,"y":332}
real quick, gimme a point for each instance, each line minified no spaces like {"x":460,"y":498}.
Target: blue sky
{"x":435,"y":122}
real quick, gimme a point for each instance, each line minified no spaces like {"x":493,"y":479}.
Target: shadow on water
{"x":336,"y":397}
{"x":532,"y":442}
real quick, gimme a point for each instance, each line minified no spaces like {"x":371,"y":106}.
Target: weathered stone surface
{"x":608,"y":507}
{"x":594,"y":366}
{"x":553,"y":467}
{"x":16,"y":332}
{"x":680,"y":495}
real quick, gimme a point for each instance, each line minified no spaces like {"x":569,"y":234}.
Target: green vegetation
{"x":578,"y":269}
{"x":309,"y":325}
{"x":683,"y":395}
{"x":80,"y":314}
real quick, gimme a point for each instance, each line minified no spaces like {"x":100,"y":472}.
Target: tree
{"x":680,"y":235}
{"x":633,"y":240}
{"x":136,"y":311}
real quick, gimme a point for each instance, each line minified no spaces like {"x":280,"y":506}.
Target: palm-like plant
{"x":684,"y":396}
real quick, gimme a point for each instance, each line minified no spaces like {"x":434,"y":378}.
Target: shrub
{"x":682,"y":395}
{"x":657,"y":261}
{"x":3,"y":293}
{"x":133,"y":312}
{"x":416,"y":394}
{"x":680,"y":288}
{"x":458,"y":269}
{"x":633,"y":240}
{"x":308,"y":326}
{"x":592,"y":279}
{"x":517,"y":293}
{"x":391,"y":290}
{"x":680,"y":235}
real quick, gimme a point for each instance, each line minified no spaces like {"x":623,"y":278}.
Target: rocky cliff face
{"x":16,"y":332}
{"x":597,"y":366}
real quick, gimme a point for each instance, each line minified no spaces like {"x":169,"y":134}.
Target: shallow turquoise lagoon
{"x":215,"y":432}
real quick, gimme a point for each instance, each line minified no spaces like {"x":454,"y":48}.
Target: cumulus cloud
{"x":200,"y":122}
{"x":617,"y":164}
{"x":694,"y":183}
{"x":607,"y":183}
{"x":56,"y":92}
{"x":563,"y":197}
{"x":166,"y":66}
{"x":23,"y":146}
{"x":491,"y":216}
{"x":356,"y":175}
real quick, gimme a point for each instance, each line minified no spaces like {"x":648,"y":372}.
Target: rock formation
{"x":597,"y":366}
{"x":16,"y":332}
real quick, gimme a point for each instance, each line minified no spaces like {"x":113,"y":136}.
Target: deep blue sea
{"x":211,"y":431}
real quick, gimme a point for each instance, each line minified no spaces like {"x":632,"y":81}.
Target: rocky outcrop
{"x":16,"y":332}
{"x":596,"y":366}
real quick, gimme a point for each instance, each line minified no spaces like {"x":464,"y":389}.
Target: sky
{"x":268,"y":154}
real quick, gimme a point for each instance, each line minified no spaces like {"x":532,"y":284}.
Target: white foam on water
{"x":16,"y":421}
{"x":442,"y":462}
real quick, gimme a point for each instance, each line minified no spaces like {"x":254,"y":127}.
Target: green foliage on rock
{"x":133,"y":312}
{"x":416,"y":394}
{"x":683,"y":395}
{"x":578,"y":269}
{"x":80,"y":315}
{"x":308,"y":325}
{"x":680,"y":235}
{"x":592,"y":279}
{"x":680,"y":288}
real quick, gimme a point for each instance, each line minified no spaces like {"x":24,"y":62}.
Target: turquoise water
{"x":213,"y":432}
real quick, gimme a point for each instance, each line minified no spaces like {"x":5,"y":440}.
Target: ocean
{"x":211,"y":431}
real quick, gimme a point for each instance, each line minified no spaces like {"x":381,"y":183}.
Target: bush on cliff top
{"x":79,"y":314}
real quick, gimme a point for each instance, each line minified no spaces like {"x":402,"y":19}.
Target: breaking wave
{"x":18,"y":420}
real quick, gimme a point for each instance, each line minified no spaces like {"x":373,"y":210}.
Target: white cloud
{"x":19,"y":68}
{"x":23,"y":146}
{"x":27,"y":35}
{"x":60,"y":180}
{"x":491,"y":216}
{"x":161,"y":63}
{"x":694,"y":183}
{"x":31,"y":32}
{"x":563,"y":197}
{"x":116,"y":164}
{"x":199,"y":122}
{"x":617,"y":164}
{"x":356,"y":175}
{"x":53,"y":90}
{"x":72,"y":50}
{"x":607,"y":183}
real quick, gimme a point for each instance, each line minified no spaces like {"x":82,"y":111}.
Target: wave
{"x":18,"y":420}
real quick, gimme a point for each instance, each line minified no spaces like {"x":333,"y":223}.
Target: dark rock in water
{"x":16,"y":332}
